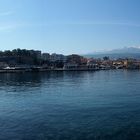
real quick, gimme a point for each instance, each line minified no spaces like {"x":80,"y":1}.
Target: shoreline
{"x":47,"y":70}
{"x":43,"y":70}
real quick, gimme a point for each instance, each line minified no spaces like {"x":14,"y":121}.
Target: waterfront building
{"x":45,"y":56}
{"x":37,"y":53}
{"x":57,"y":57}
{"x":74,"y":58}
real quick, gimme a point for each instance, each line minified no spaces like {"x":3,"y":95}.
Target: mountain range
{"x":126,"y":52}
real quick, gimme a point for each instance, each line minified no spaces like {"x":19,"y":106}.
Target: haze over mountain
{"x":130,"y":52}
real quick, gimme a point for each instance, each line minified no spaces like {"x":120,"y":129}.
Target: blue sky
{"x":69,"y":26}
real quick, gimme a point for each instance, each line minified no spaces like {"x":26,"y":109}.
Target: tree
{"x":106,"y":58}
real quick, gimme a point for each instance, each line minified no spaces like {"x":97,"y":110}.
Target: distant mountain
{"x":126,"y":52}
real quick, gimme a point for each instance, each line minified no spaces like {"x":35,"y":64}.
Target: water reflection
{"x":19,"y":82}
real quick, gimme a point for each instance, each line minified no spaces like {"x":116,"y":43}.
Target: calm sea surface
{"x":102,"y":105}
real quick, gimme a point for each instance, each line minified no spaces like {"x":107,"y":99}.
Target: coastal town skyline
{"x":22,"y":60}
{"x":71,"y":26}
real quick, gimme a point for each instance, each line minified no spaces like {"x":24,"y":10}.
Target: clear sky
{"x":69,"y":26}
